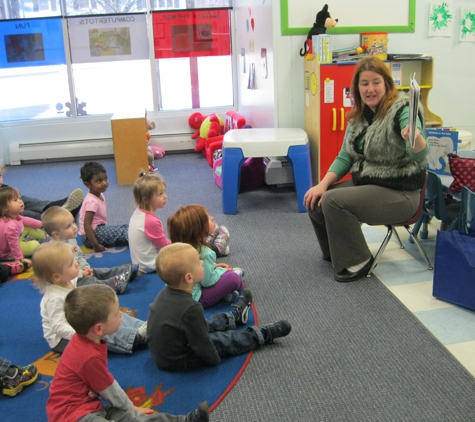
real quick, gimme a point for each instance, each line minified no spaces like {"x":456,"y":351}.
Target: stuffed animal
{"x":195,"y":121}
{"x":323,"y":21}
{"x":210,"y":127}
{"x":152,"y":150}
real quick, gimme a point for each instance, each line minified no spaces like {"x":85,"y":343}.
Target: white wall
{"x":256,"y":105}
{"x":452,"y":96}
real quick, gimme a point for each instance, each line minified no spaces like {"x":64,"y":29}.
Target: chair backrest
{"x":435,"y":201}
{"x":418,"y":213}
{"x":467,"y":213}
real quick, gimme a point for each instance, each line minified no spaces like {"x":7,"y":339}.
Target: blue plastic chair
{"x":467,"y":213}
{"x":437,"y":204}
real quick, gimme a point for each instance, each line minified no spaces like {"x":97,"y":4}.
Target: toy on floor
{"x":152,"y":150}
{"x":323,"y":21}
{"x":209,"y":128}
{"x":219,"y":241}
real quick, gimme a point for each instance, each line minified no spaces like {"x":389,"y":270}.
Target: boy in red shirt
{"x":82,"y":377}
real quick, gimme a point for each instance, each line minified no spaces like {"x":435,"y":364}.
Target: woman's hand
{"x":420,"y":142}
{"x":315,"y":194}
{"x":222,"y":265}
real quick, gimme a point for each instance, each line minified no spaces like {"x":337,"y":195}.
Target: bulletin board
{"x":354,"y":16}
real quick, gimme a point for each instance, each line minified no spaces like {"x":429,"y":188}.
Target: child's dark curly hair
{"x":90,"y":169}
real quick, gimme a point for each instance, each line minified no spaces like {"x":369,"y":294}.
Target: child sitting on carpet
{"x":192,"y":224}
{"x":146,"y":233}
{"x":56,"y":272}
{"x":82,"y":378}
{"x":14,"y":229}
{"x":93,"y":228}
{"x":60,"y":225}
{"x":178,"y":335}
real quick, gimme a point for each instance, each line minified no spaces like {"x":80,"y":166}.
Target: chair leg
{"x":421,"y":249}
{"x":401,"y":246}
{"x":381,"y":249}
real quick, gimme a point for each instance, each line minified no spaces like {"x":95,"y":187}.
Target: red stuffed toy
{"x":210,"y":127}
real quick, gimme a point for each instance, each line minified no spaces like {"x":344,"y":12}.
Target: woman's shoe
{"x":345,"y":276}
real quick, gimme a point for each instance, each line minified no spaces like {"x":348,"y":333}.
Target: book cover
{"x":442,"y":141}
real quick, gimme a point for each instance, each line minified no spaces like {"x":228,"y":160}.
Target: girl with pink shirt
{"x":93,"y":228}
{"x":146,"y":233}
{"x":13,"y":230}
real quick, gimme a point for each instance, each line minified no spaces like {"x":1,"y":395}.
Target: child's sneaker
{"x":201,"y":414}
{"x":16,"y":267}
{"x":277,"y":329}
{"x":231,"y":297}
{"x":241,"y":309}
{"x":23,"y":376}
{"x":74,"y":200}
{"x":239,"y":271}
{"x":121,"y":282}
{"x":134,"y":271}
{"x":141,"y":334}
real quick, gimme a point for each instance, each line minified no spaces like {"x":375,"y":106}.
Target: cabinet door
{"x":344,"y":101}
{"x":335,"y":101}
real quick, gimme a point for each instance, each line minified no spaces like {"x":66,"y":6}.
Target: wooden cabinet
{"x":327,"y":101}
{"x":129,"y":136}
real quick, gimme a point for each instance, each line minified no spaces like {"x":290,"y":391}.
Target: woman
{"x":387,"y":173}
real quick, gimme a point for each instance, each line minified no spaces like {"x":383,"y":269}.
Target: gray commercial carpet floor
{"x":355,"y":352}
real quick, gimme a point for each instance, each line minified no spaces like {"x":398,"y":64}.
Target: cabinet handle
{"x":342,"y":117}
{"x":334,"y":119}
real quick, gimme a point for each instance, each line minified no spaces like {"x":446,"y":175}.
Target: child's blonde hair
{"x":7,"y":194}
{"x":171,"y":267}
{"x":86,"y":306}
{"x":52,"y":217}
{"x":145,"y":188}
{"x":190,"y":224}
{"x":48,"y":259}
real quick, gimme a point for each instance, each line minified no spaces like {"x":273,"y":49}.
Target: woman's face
{"x":372,"y":88}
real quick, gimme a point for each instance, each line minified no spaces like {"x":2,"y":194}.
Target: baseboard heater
{"x":59,"y":150}
{"x":62,"y":150}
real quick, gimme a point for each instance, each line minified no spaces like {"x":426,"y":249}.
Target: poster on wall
{"x":441,"y":19}
{"x":31,"y":42}
{"x":191,"y":33}
{"x":108,"y":38}
{"x":467,"y":24}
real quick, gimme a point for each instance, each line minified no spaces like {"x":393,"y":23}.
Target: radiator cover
{"x":23,"y":151}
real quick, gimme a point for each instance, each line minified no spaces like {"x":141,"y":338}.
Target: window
{"x":107,"y":60}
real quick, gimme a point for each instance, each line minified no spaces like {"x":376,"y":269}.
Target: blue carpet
{"x":22,"y":342}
